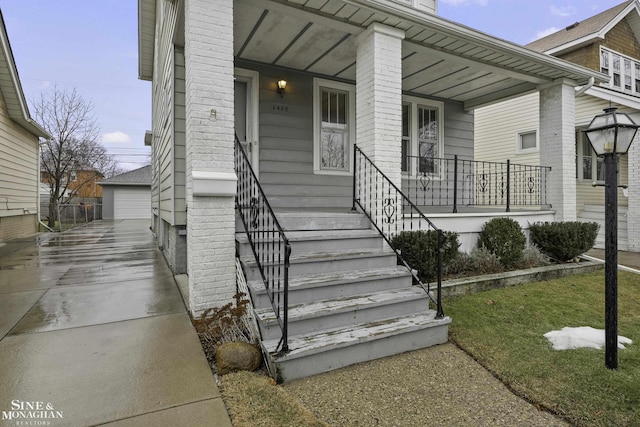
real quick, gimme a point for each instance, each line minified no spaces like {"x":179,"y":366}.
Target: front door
{"x":246,"y":89}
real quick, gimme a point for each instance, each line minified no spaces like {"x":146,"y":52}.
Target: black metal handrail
{"x":391,"y":213}
{"x":433,"y":181}
{"x":267,"y":239}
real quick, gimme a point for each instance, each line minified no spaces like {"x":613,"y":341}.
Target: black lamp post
{"x":610,"y":134}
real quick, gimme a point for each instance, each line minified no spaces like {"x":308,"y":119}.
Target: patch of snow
{"x":582,"y":337}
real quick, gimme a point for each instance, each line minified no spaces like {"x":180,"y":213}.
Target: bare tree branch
{"x":75,"y":145}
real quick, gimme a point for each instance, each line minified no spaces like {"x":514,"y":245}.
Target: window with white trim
{"x":334,"y":118}
{"x":527,"y":141}
{"x":589,"y":167}
{"x":422,"y":135}
{"x":73,"y":176}
{"x":624,"y":71}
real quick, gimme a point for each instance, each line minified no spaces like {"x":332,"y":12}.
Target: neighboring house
{"x":128,"y":195}
{"x":82,"y":183}
{"x":19,"y":151}
{"x":608,"y":42}
{"x":300,"y":84}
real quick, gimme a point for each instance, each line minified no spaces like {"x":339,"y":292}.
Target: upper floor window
{"x":73,"y":176}
{"x":624,"y":71}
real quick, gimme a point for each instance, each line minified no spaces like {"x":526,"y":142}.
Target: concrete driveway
{"x":93,"y":330}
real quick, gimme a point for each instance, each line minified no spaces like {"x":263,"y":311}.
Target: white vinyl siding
{"x":19,"y":174}
{"x":131,"y":203}
{"x":498,"y":127}
{"x":169,"y":155}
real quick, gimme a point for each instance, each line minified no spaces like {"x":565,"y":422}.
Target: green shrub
{"x":504,"y":238}
{"x":460,"y":265}
{"x":419,"y":249}
{"x":563,"y":241}
{"x":533,"y":257}
{"x":485,"y":262}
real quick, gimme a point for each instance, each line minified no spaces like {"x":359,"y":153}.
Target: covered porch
{"x":408,"y":106}
{"x":396,"y":80}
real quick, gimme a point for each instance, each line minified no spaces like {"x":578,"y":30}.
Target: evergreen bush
{"x":485,"y":262}
{"x":420,"y":250}
{"x":563,"y":241}
{"x":504,"y":238}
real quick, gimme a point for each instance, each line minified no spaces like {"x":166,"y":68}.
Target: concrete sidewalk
{"x":630,"y":260}
{"x":93,"y":330}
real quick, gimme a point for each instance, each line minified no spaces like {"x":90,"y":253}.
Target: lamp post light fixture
{"x":610,"y":135}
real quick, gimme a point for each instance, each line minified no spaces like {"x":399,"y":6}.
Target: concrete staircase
{"x":592,"y":213}
{"x":348,"y":301}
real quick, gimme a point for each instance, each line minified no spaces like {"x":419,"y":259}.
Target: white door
{"x":132,"y":203}
{"x":246,"y":99}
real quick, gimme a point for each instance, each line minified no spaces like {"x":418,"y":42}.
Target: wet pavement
{"x":630,"y":260}
{"x":93,"y":330}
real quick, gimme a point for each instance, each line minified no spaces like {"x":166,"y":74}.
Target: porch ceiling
{"x":441,"y":59}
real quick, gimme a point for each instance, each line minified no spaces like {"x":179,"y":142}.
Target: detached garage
{"x":127,"y":196}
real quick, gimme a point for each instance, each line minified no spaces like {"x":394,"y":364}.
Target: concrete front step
{"x":338,"y":284}
{"x":291,"y":221}
{"x":320,"y":240}
{"x":305,"y":319}
{"x":319,"y":262}
{"x":333,"y":349}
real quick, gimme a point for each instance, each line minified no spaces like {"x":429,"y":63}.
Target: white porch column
{"x":633,"y":179}
{"x":209,"y":145}
{"x":379,"y":97}
{"x":558,"y":147}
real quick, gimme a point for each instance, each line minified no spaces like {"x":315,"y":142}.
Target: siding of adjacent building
{"x":19,"y":177}
{"x":497,"y":126}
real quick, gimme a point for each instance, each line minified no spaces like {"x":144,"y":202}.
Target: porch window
{"x":589,"y":167}
{"x":406,"y":136}
{"x":333,"y":121}
{"x":422,"y":135}
{"x":527,"y":141}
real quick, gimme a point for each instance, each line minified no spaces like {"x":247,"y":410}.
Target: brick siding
{"x":12,"y":227}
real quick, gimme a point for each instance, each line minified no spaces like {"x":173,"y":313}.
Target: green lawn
{"x":503,"y":329}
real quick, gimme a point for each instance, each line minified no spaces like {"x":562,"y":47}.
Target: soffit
{"x":441,"y":59}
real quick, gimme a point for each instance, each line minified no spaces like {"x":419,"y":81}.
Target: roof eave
{"x":581,"y":74}
{"x":146,"y":19}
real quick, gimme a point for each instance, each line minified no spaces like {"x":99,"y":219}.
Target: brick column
{"x":209,"y":149}
{"x":379,"y":97}
{"x":379,"y":103}
{"x":633,"y":179}
{"x":558,"y":147}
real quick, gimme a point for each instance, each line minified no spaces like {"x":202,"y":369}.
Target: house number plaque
{"x":280,"y":108}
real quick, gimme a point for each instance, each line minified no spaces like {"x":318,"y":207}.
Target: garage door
{"x":131,"y":203}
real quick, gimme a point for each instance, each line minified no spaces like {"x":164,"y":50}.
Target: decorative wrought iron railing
{"x":268,"y":241}
{"x":456,"y":183}
{"x":391,"y":213}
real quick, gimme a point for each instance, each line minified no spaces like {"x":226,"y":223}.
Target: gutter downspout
{"x":586,"y":87}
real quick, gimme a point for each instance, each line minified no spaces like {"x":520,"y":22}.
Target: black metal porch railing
{"x":455,"y":183}
{"x":391,"y":212}
{"x":268,"y":241}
